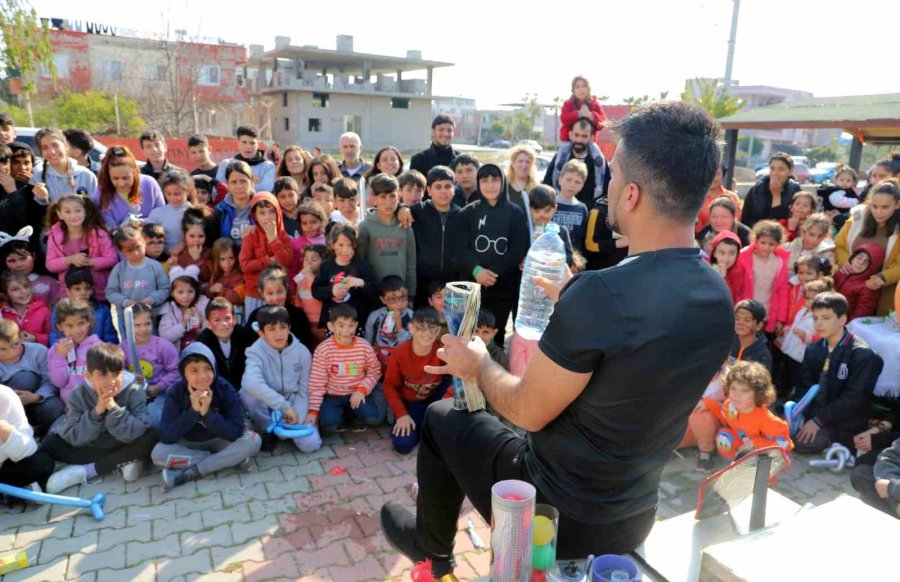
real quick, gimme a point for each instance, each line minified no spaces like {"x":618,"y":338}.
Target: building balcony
{"x":338,"y":83}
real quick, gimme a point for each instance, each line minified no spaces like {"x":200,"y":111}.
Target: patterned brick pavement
{"x":294,"y":517}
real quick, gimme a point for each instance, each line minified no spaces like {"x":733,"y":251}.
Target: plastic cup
{"x":544,"y":534}
{"x":613,"y":568}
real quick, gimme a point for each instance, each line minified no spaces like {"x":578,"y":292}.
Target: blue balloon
{"x":288,"y":431}
{"x":95,"y":503}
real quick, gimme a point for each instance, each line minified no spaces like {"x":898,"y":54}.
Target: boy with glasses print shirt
{"x":494,"y":242}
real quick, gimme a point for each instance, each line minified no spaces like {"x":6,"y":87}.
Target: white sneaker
{"x":68,"y":476}
{"x":133,"y":471}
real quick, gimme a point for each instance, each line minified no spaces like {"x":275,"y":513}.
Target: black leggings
{"x":34,"y":469}
{"x":463,"y":454}
{"x":105,"y":452}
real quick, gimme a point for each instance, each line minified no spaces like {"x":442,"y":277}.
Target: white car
{"x":538,"y":148}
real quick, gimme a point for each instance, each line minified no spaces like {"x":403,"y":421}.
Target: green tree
{"x":26,"y":46}
{"x":713,"y":98}
{"x":96,"y":112}
{"x":636,"y":101}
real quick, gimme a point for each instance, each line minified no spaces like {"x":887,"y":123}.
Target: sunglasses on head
{"x":117,"y":151}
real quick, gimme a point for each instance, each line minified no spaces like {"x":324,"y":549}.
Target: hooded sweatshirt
{"x":130,"y":421}
{"x":735,"y":275}
{"x":230,"y":367}
{"x":224,"y":419}
{"x":263,"y":170}
{"x":389,"y":249}
{"x":437,"y":240}
{"x":58,"y":184}
{"x":862,"y":300}
{"x":494,"y":238}
{"x":257,"y":252}
{"x":233,"y":221}
{"x":276,"y":378}
{"x":435,"y":155}
{"x":34,"y":360}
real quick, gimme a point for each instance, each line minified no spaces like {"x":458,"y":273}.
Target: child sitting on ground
{"x":743,"y":422}
{"x":157,"y":361}
{"x":344,"y":373}
{"x":106,"y":424}
{"x":750,"y":344}
{"x":21,"y":463}
{"x":865,"y":262}
{"x":408,"y":388}
{"x":80,"y":287}
{"x":227,"y":340}
{"x":387,"y":326}
{"x":23,"y":367}
{"x":29,"y":311}
{"x":67,"y":358}
{"x":202,"y":429}
{"x":800,"y":333}
{"x":277,"y":377}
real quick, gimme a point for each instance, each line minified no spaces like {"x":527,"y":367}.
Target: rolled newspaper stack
{"x":462,"y":300}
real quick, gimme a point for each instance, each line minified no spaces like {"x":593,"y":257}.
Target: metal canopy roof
{"x":349,"y":62}
{"x":873,"y":118}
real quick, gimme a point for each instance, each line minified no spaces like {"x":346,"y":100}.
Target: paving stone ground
{"x":290,"y":518}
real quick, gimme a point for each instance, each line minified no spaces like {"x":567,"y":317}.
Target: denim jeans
{"x":333,"y":408}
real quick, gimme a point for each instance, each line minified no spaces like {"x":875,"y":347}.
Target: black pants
{"x":463,"y":454}
{"x":862,"y":477}
{"x":105,"y":452}
{"x":34,"y":469}
{"x":501,"y":308}
{"x":42,"y":414}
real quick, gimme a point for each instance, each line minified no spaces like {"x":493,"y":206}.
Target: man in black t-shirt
{"x":606,"y":397}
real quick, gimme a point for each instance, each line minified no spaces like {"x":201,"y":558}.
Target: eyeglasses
{"x":396,"y":298}
{"x":432,"y":327}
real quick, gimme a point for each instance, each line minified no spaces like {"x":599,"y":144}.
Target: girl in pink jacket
{"x":765,"y":272}
{"x":77,"y":239}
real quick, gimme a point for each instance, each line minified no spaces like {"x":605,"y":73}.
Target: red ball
{"x":539,"y":576}
{"x":512,"y":497}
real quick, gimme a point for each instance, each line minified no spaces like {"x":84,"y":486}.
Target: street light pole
{"x":729,"y":62}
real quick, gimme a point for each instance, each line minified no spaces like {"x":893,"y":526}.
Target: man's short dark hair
{"x":247,"y":130}
{"x":669,"y":150}
{"x":382,"y":184}
{"x":465,"y":159}
{"x":219,"y":304}
{"x":541,"y":196}
{"x":105,"y":358}
{"x":585,"y":123}
{"x":440,"y":174}
{"x":198,"y":139}
{"x":342,"y":311}
{"x":441,"y":120}
{"x":486,"y":319}
{"x":390,"y":284}
{"x":272,"y":315}
{"x":79,"y":138}
{"x":412,"y":178}
{"x":151,"y":135}
{"x":78,"y":276}
{"x":831,"y":300}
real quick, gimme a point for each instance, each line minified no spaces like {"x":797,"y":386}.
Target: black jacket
{"x":361,"y":298}
{"x":300,"y":325}
{"x":496,"y":238}
{"x":742,"y":231}
{"x":599,"y":242}
{"x":844,"y":400}
{"x":231,"y":368}
{"x":888,"y":467}
{"x":758,"y":202}
{"x":437,"y":241}
{"x":759,"y":351}
{"x":435,"y":155}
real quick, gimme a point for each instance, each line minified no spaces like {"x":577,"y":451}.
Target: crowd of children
{"x":257,"y":289}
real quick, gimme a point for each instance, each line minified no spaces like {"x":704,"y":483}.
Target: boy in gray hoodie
{"x":383,"y":243}
{"x":106,"y":424}
{"x":277,"y":376}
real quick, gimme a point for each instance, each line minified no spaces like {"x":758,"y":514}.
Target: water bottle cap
{"x":551,"y":227}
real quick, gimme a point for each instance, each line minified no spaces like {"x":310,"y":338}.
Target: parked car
{"x":801,"y":172}
{"x":535,"y":146}
{"x":822,"y":172}
{"x":500,"y":144}
{"x":542,"y":161}
{"x":26,"y":135}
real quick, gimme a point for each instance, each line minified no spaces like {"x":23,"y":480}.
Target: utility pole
{"x":729,"y":62}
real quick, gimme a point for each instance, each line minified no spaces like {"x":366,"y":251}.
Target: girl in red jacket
{"x":266,"y":244}
{"x":580,"y":105}
{"x":865,"y":261}
{"x":28,"y":310}
{"x":743,"y":422}
{"x":765,"y":272}
{"x":723,"y":256}
{"x":77,"y":239}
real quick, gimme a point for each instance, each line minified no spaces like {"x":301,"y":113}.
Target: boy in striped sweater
{"x":344,"y":373}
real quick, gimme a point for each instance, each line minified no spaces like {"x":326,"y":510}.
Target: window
{"x":155,"y":72}
{"x":315,"y":125}
{"x":209,"y":75}
{"x":320,"y":100}
{"x":284,"y":99}
{"x":62,"y":67}
{"x":399,"y":103}
{"x":110,"y":70}
{"x":287,"y":123}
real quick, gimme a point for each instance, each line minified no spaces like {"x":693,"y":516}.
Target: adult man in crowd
{"x":441,"y":152}
{"x":581,"y":146}
{"x":601,"y":422}
{"x":351,"y":165}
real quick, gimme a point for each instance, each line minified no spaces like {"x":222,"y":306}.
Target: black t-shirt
{"x":653,"y":331}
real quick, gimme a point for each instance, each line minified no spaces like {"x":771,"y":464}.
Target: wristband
{"x":477,"y":270}
{"x":362,"y":390}
{"x":313,"y":412}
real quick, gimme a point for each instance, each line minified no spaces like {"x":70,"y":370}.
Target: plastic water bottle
{"x":546,"y":258}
